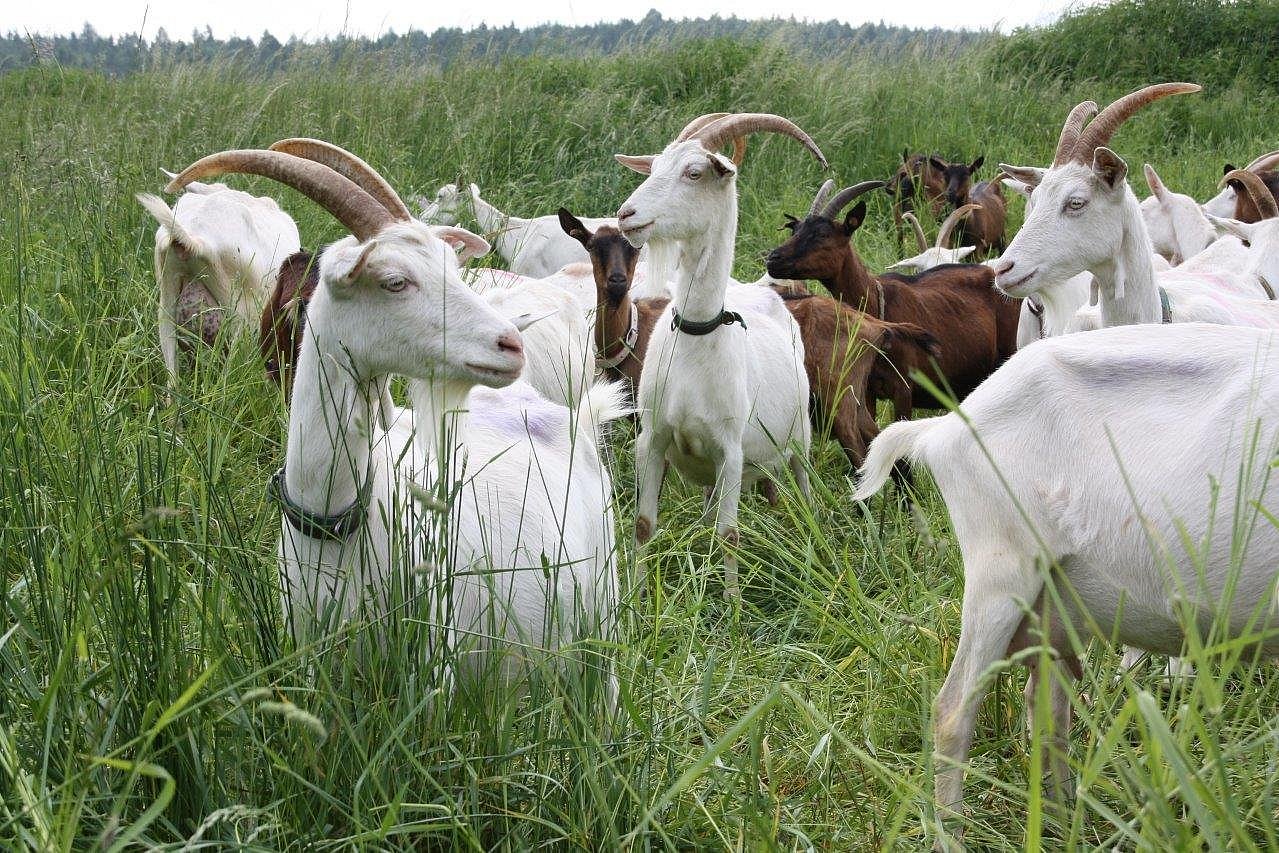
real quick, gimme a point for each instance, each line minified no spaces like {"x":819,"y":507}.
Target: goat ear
{"x":1230,"y":167}
{"x":1028,"y":175}
{"x":855,"y":217}
{"x":791,"y":222}
{"x":977,"y":163}
{"x":470,"y":245}
{"x":573,"y":227}
{"x":1109,"y":167}
{"x":1225,"y":225}
{"x":360,"y":264}
{"x":937,"y":163}
{"x":964,"y":251}
{"x":722,"y":165}
{"x":643,"y":165}
{"x":1157,"y":188}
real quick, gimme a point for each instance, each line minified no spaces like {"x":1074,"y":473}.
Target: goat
{"x":216,"y":252}
{"x":975,"y":328}
{"x":1262,"y":236}
{"x":938,"y":254}
{"x":914,"y":181}
{"x":985,"y":227}
{"x":1228,"y":204}
{"x":1086,"y":219}
{"x":1177,"y":225}
{"x":1153,"y":447}
{"x":536,"y":559}
{"x":721,"y":405}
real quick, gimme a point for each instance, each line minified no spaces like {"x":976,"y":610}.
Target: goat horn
{"x":1100,"y":129}
{"x":845,"y":197}
{"x":348,"y":166}
{"x":1257,"y":189}
{"x":948,"y":227}
{"x":1071,"y":129}
{"x":717,"y":133}
{"x":690,"y":130}
{"x":1264,"y":162}
{"x":919,"y":231}
{"x":822,"y":194}
{"x":358,"y":211}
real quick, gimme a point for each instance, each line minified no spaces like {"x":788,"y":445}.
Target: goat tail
{"x":897,"y":440}
{"x":163,"y":214}
{"x":606,"y":401}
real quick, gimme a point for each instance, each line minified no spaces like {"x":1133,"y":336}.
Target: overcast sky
{"x":317,"y":18}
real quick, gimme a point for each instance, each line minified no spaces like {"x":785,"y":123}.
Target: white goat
{"x":938,"y":254}
{"x":216,"y":250}
{"x":1176,"y":223}
{"x":722,"y":404}
{"x":528,"y":546}
{"x":1158,"y":436}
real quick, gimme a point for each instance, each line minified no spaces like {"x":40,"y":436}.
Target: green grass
{"x":150,"y":695}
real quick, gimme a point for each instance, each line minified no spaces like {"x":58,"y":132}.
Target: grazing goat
{"x":723,"y":396}
{"x":974,"y":327}
{"x":938,"y":254}
{"x":985,"y":227}
{"x":526,"y":551}
{"x":1227,"y":203}
{"x":1148,"y":518}
{"x":914,"y":181}
{"x":216,"y":252}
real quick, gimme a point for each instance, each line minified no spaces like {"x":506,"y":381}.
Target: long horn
{"x":1257,"y":189}
{"x":691,"y":129}
{"x":822,"y":194}
{"x":1264,"y":162}
{"x":358,"y":211}
{"x":349,"y":166}
{"x":1099,"y":131}
{"x":845,"y":197}
{"x":919,"y":231}
{"x":719,"y":132}
{"x":1071,"y":129}
{"x":947,"y":227}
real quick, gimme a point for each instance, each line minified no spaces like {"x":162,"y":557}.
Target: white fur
{"x":934,"y":256}
{"x":1101,"y":454}
{"x":725,"y":407}
{"x":521,"y":476}
{"x":230,"y":242}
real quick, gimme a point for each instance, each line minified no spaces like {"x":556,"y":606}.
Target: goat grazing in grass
{"x":984,"y":229}
{"x":529,"y":551}
{"x":723,"y":396}
{"x":216,"y":251}
{"x":975,"y":327}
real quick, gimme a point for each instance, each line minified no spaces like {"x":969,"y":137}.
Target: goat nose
{"x":617,"y":279}
{"x":625,"y":213}
{"x":1003,"y":267}
{"x":511,"y":342}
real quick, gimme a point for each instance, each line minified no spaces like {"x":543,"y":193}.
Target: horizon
{"x":326,"y":20}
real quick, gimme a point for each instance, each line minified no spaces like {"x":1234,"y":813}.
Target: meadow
{"x":150,"y":695}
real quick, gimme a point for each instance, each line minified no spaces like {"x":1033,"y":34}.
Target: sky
{"x":318,"y":18}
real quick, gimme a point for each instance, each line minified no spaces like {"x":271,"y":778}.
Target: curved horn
{"x":822,"y":194}
{"x":1257,"y":189}
{"x":1071,"y":129}
{"x":845,"y":197}
{"x":1099,"y":131}
{"x":1264,"y":162}
{"x":691,"y":129}
{"x":358,"y":211}
{"x":919,"y":231}
{"x":715,"y":134}
{"x":349,"y":166}
{"x":948,"y":227}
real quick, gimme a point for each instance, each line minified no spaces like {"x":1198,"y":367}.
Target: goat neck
{"x":705,"y":264}
{"x":852,"y":284}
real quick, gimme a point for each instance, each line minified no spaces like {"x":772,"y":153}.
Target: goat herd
{"x":1127,"y":462}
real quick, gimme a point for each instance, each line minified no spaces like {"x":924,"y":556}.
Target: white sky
{"x":317,"y":18}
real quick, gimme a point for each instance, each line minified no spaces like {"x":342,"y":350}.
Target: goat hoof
{"x":643,"y":529}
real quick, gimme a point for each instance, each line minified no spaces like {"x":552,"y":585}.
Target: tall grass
{"x":151,"y":696}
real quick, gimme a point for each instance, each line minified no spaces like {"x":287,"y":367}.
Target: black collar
{"x":705,"y":327}
{"x":337,"y":527}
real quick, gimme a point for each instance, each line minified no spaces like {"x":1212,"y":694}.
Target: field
{"x":151,"y":695}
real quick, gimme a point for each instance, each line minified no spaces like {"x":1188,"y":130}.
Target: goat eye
{"x":394,"y":286}
{"x":1076,"y":203}
{"x":693,"y":174}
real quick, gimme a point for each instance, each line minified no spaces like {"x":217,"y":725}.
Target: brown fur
{"x":983,"y":228}
{"x":974,"y":326}
{"x":280,"y":331}
{"x":1245,"y":210}
{"x":914,"y":180}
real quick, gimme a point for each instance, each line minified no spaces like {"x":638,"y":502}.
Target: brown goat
{"x":280,"y":331}
{"x":984,"y":229}
{"x":974,"y":326}
{"x":914,"y":180}
{"x":1245,"y":208}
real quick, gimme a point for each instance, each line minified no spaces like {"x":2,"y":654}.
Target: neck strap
{"x":704,"y":327}
{"x":604,"y":361}
{"x":337,"y":527}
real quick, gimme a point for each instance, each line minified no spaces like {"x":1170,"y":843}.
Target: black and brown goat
{"x":975,"y":326}
{"x":280,"y":331}
{"x":851,"y":359}
{"x":984,"y":228}
{"x":914,"y":181}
